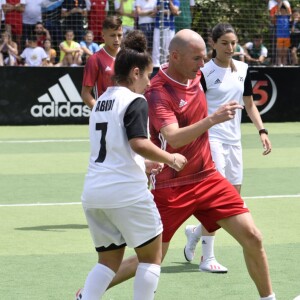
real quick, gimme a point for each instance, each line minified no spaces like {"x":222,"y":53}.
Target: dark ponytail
{"x":133,"y":53}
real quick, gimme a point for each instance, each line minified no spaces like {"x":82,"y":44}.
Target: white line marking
{"x":79,"y":203}
{"x":44,"y":141}
{"x":40,"y":204}
{"x":273,"y":196}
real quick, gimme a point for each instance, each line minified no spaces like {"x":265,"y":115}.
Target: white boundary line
{"x":40,"y":204}
{"x":79,"y":203}
{"x":42,"y":141}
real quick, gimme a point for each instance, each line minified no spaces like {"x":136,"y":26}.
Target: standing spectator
{"x":162,"y":36}
{"x":31,"y":15}
{"x":295,"y":36}
{"x":126,"y":9}
{"x":234,"y":82}
{"x":97,"y":12}
{"x":70,"y":51}
{"x":88,"y":46}
{"x":33,"y":55}
{"x":185,"y":18}
{"x":282,"y":34}
{"x":273,"y":8}
{"x":74,"y":13}
{"x":51,"y":53}
{"x":255,"y":52}
{"x":8,"y":50}
{"x":51,"y":14}
{"x":146,"y":12}
{"x":98,"y":71}
{"x":13,"y":10}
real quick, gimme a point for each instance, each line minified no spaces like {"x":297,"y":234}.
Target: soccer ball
{"x":297,"y":298}
{"x":78,"y":295}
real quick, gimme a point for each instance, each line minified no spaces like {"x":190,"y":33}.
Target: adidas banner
{"x":49,"y":95}
{"x":41,"y":96}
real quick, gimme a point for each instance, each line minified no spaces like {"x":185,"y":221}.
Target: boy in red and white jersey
{"x":99,"y":68}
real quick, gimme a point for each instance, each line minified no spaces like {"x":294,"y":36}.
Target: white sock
{"x":271,"y":297}
{"x":198,"y":231}
{"x":97,"y":282}
{"x":208,"y":246}
{"x":146,"y":281}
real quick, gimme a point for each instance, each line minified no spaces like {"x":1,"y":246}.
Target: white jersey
{"x":224,"y":85}
{"x":116,"y":174}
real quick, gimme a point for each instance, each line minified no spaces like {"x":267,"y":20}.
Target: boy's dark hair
{"x":112,"y":22}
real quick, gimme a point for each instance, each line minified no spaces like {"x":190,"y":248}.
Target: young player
{"x":118,"y":205}
{"x":225,"y":79}
{"x":99,"y":68}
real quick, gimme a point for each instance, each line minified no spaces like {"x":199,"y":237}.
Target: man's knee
{"x":254,"y":239}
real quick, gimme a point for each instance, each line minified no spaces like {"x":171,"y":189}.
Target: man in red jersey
{"x":99,"y":68}
{"x":179,"y":123}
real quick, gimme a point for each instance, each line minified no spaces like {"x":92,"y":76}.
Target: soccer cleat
{"x":211,"y":265}
{"x":78,"y":295}
{"x":192,"y":240}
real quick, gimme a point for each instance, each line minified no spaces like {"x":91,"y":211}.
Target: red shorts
{"x":209,"y":200}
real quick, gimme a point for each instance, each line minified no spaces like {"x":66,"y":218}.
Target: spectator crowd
{"x":67,"y":32}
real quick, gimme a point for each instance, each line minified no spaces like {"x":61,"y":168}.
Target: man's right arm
{"x":178,"y":137}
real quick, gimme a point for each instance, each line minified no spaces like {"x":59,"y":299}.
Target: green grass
{"x":46,"y":251}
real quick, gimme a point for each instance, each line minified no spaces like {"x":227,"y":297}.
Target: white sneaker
{"x":211,"y":265}
{"x":78,"y":295}
{"x":192,"y":240}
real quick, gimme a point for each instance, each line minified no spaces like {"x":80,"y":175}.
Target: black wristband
{"x":263,"y":131}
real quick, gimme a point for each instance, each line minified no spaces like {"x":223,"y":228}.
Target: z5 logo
{"x":264,"y":91}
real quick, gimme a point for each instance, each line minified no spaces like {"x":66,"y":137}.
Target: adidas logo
{"x":182,"y":103}
{"x":218,"y":81}
{"x":107,"y":69}
{"x":203,"y":242}
{"x":63,"y":100}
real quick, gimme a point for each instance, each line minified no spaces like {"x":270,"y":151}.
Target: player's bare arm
{"x":86,"y":95}
{"x":147,"y":149}
{"x":179,"y":137}
{"x":255,"y":117}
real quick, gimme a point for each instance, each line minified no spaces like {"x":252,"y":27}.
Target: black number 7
{"x":102,"y":151}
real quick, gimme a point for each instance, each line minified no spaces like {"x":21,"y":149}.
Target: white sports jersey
{"x":224,"y":85}
{"x":116,"y":174}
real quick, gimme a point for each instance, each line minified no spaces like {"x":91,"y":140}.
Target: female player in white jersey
{"x":225,"y":79}
{"x":118,"y":206}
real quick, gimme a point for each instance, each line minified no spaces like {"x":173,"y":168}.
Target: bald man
{"x":179,"y":122}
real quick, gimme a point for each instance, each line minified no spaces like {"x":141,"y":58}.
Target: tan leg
{"x":243,"y":229}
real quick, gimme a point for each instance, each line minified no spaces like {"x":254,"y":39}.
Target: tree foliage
{"x":248,"y":17}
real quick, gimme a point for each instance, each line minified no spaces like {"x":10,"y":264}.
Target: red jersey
{"x":14,"y":17}
{"x":172,"y":102}
{"x":96,"y":17}
{"x":98,"y":72}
